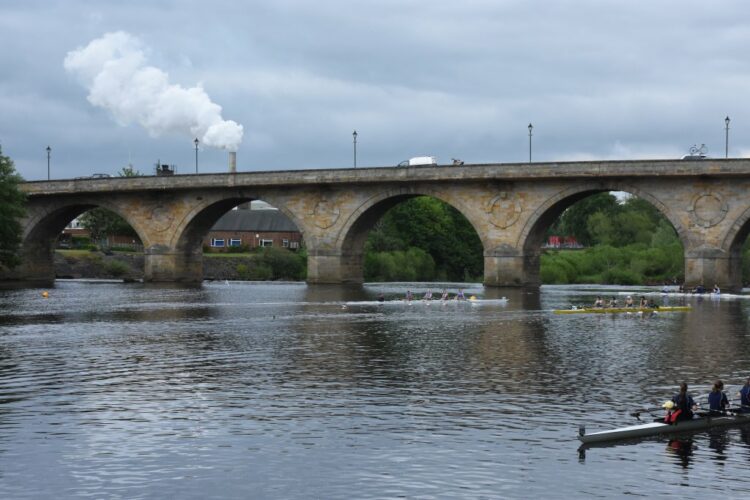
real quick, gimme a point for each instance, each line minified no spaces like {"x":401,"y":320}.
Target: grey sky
{"x":598,"y":79}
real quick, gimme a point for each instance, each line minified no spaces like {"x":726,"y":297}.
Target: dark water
{"x":286,"y":391}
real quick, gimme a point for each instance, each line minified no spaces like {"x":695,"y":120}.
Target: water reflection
{"x":682,"y":451}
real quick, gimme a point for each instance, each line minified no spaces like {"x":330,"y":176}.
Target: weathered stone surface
{"x":509,"y":205}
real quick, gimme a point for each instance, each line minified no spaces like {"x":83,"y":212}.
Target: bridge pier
{"x":162,"y":264}
{"x":708,"y":266}
{"x":509,"y":267}
{"x":334,"y":268}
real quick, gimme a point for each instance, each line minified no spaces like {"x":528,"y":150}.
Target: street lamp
{"x":354,"y":135}
{"x":726,"y":137}
{"x":196,"y":141}
{"x":49,"y":150}
{"x":531,"y":127}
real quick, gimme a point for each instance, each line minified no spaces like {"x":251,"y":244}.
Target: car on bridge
{"x":419,"y":160}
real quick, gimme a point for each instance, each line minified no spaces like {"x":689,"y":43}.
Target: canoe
{"x":661,"y":429}
{"x":601,"y":310}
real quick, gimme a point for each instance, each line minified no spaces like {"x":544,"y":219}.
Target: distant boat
{"x":641,"y":310}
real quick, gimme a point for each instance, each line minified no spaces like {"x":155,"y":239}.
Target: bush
{"x":116,"y":268}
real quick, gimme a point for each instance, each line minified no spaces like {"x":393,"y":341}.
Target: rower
{"x":717,"y":399}
{"x":409,"y":296}
{"x":716,"y":289}
{"x":598,"y":302}
{"x":460,"y":295}
{"x":613,"y":302}
{"x":744,"y":395}
{"x":381,"y":297}
{"x":427,"y":295}
{"x":629,"y":301}
{"x":444,"y":296}
{"x":643,"y":303}
{"x":684,"y":405}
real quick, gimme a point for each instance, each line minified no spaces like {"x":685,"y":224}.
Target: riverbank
{"x":269,"y":264}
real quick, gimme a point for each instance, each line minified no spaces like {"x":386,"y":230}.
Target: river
{"x":280,"y":390}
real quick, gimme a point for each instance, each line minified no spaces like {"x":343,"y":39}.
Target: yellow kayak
{"x":601,"y":310}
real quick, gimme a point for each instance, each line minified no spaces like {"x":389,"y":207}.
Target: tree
{"x":12,"y":202}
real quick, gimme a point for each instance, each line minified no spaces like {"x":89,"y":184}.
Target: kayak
{"x":636,"y":310}
{"x":660,"y":428}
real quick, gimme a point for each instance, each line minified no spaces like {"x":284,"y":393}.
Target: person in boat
{"x":629,"y":301}
{"x":716,"y":289}
{"x":643,"y":302}
{"x":598,"y":302}
{"x":445,"y":295}
{"x":683,"y":408}
{"x":744,"y":395}
{"x":612,"y":302}
{"x":460,"y":295}
{"x":682,"y":288}
{"x":409,"y":296}
{"x":652,"y":304}
{"x":717,"y":399}
{"x":700,"y":289}
{"x":427,"y":295}
{"x":381,"y":297}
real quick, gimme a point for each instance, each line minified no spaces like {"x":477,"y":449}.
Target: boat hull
{"x":603,"y":310}
{"x":659,"y":428}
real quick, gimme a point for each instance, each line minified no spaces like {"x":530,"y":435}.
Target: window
{"x":266,"y":243}
{"x":217,"y":242}
{"x":235,"y":242}
{"x":294,"y":244}
{"x":285,"y":243}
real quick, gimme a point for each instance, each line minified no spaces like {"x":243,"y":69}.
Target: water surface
{"x":251,"y":390}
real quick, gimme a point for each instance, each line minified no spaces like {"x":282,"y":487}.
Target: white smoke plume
{"x":113,"y":68}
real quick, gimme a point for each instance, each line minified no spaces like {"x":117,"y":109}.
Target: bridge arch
{"x":732,"y":244}
{"x":531,"y":237}
{"x":353,"y":235}
{"x":42,"y":227}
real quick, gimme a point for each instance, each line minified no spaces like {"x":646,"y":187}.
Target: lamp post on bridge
{"x":49,"y":150}
{"x":354,"y":136}
{"x":726,"y":137}
{"x":531,"y":127}
{"x":196,"y":141}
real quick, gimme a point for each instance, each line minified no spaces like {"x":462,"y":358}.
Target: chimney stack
{"x":232,"y":162}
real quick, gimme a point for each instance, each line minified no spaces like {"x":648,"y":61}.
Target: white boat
{"x":660,"y":428}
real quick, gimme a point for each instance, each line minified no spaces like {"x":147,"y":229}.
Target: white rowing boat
{"x":660,"y":428}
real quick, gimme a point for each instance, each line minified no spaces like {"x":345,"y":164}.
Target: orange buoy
{"x":45,"y":294}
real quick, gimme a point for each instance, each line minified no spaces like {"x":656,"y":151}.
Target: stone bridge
{"x":509,"y":205}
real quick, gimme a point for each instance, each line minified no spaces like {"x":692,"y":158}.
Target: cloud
{"x":113,"y":68}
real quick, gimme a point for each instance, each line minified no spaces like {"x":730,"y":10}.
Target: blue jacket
{"x":717,"y":401}
{"x":685,"y":404}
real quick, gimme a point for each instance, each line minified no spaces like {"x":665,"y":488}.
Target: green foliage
{"x":238,"y":249}
{"x":129,"y":171}
{"x":117,"y":268}
{"x":102,"y":223}
{"x":429,"y":225}
{"x":574,"y":220}
{"x":273,"y":264}
{"x":413,"y":264}
{"x":12,"y":202}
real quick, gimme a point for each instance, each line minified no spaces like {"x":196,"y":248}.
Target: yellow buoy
{"x":45,"y":294}
{"x":473,"y":297}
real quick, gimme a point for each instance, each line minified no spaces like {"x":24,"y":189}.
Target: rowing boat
{"x":601,"y":310}
{"x":660,"y":428}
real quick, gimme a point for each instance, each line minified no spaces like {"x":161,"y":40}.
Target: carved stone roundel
{"x":160,"y":218}
{"x":708,"y":209}
{"x":504,"y":209}
{"x":325,"y":214}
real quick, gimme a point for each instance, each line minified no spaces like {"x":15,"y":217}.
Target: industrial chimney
{"x":232,"y":162}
